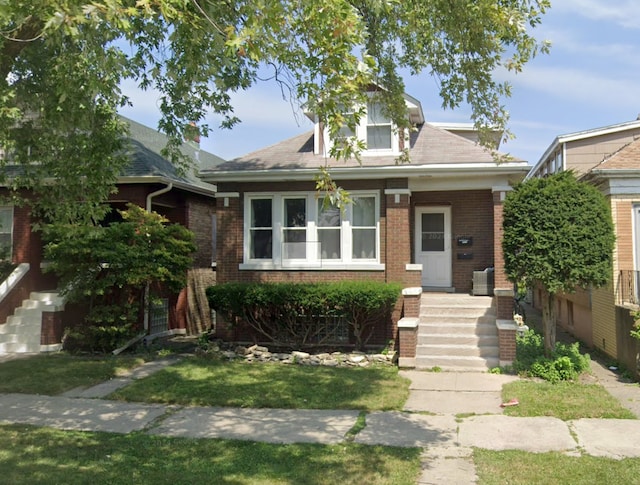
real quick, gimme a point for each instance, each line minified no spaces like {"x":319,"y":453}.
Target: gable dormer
{"x":376,"y":130}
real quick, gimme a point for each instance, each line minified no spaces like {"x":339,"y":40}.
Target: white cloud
{"x":625,"y":13}
{"x":579,"y":85}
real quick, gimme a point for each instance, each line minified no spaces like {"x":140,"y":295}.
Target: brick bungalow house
{"x":429,"y":224}
{"x":608,"y":157}
{"x":150,"y":181}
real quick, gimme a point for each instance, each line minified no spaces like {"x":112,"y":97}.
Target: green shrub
{"x":305,"y":314}
{"x":566,"y":363}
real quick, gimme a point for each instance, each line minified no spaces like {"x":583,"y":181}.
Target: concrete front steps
{"x":457,"y":332}
{"x":21,"y":333}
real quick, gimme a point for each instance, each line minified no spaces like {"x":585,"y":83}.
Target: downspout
{"x":150,"y":197}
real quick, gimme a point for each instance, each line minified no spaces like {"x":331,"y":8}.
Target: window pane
{"x":261,"y":244}
{"x":376,"y":116}
{"x":261,"y":240}
{"x":261,"y":213}
{"x":433,"y":222}
{"x":364,"y":244}
{"x":432,"y":232}
{"x":329,"y":243}
{"x":378,"y":137}
{"x":364,"y":211}
{"x":295,"y":243}
{"x":328,"y":216}
{"x":295,"y":212}
{"x":5,"y":220}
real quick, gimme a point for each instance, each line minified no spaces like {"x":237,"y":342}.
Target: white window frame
{"x":3,"y":230}
{"x":313,"y":260}
{"x":361,"y":134}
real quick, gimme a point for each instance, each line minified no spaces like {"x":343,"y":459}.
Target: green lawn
{"x":203,"y":382}
{"x":53,"y":374}
{"x":30,"y":455}
{"x":521,"y":468}
{"x":564,"y":400}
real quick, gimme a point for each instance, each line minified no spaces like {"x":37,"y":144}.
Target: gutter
{"x":163,"y":190}
{"x":365,"y":172}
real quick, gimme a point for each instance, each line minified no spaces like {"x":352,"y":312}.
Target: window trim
{"x":361,"y":134}
{"x":312,"y":262}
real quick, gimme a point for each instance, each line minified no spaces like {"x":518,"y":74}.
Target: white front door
{"x":433,"y":245}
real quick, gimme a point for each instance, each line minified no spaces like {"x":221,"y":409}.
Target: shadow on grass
{"x":43,"y":456}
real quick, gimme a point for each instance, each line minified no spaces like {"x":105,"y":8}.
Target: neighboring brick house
{"x":608,"y":157}
{"x":150,"y":181}
{"x":426,"y":224}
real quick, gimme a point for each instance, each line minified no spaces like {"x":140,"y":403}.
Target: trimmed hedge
{"x":304,"y":314}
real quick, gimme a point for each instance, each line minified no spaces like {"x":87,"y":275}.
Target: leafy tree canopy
{"x":62,"y":63}
{"x":558,"y":233}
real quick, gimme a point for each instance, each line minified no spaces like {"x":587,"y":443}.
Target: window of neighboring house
{"x":261,"y":229}
{"x":304,"y":232}
{"x":379,"y":131}
{"x":6,"y":233}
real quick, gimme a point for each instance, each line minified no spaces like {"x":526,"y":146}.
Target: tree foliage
{"x":111,"y":266}
{"x":62,"y":64}
{"x":558,"y":233}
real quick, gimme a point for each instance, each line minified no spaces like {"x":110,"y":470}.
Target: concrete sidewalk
{"x":434,"y":419}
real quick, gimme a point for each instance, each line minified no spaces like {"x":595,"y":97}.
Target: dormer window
{"x":375,"y":130}
{"x":379,"y":130}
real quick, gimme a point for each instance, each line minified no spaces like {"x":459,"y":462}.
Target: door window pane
{"x":432,"y":232}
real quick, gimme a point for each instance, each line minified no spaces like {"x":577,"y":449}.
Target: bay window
{"x":296,"y":230}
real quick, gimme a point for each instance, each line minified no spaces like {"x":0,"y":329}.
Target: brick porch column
{"x":503,"y":288}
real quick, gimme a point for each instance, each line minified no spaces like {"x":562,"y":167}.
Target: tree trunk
{"x":549,"y":321}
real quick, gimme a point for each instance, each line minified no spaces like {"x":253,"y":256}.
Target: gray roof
{"x":429,"y":145}
{"x":145,"y":146}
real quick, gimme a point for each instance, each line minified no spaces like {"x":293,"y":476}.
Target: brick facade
{"x":471,"y":216}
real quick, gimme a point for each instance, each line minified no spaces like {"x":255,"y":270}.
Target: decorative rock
{"x":240,"y":350}
{"x":330,"y":362}
{"x":296,"y":354}
{"x":356,"y":359}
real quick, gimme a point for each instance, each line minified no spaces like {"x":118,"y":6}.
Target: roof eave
{"x":367,"y":173}
{"x":155,"y":179}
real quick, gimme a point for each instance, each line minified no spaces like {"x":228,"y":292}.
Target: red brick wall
{"x":199,"y":220}
{"x":471,"y":215}
{"x":52,"y":328}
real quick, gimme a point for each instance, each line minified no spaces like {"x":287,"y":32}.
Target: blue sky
{"x":590,"y":79}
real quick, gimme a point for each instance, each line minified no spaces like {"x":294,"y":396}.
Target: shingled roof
{"x":627,"y":158}
{"x":429,"y":146}
{"x":145,"y":147}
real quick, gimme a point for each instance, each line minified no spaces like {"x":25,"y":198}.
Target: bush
{"x":566,"y":363}
{"x":306,"y":314}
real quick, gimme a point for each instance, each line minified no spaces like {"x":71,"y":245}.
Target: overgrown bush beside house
{"x":307,"y":314}
{"x":565,"y":364}
{"x":116,"y":270}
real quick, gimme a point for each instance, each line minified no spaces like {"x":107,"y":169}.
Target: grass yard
{"x":564,"y":400}
{"x":520,"y":468}
{"x":53,"y":374}
{"x":203,"y":382}
{"x":30,"y":455}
